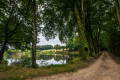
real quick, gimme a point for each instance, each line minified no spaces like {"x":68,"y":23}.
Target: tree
{"x":63,"y":47}
{"x":15,"y":30}
{"x":61,"y":17}
{"x":57,"y":46}
{"x":109,"y":38}
{"x":34,"y":35}
{"x":70,"y":45}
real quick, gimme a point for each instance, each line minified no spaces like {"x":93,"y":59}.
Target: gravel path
{"x":103,"y":69}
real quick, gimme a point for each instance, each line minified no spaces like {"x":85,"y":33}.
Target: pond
{"x":42,"y":60}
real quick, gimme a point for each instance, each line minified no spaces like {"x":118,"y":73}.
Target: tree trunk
{"x":97,"y":46}
{"x":89,"y":43}
{"x":119,"y":3}
{"x":117,"y":9}
{"x":2,"y":51}
{"x":5,"y":42}
{"x":88,"y":29}
{"x":80,"y":28}
{"x":93,"y":43}
{"x":34,"y":35}
{"x":8,"y":35}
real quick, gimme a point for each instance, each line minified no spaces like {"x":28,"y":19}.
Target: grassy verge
{"x":21,"y":73}
{"x":115,"y":58}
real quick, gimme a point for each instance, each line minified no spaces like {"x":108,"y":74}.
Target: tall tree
{"x":65,"y":18}
{"x":81,"y":25}
{"x":14,"y":29}
{"x":34,"y":35}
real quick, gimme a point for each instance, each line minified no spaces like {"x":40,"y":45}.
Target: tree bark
{"x":80,"y":28}
{"x":117,"y":10}
{"x":34,"y":35}
{"x":88,"y":31}
{"x":93,"y":43}
{"x":88,"y":38}
{"x":3,"y":50}
{"x":5,"y":42}
{"x":97,"y":45}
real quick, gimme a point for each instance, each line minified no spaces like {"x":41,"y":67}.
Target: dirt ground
{"x":103,"y":69}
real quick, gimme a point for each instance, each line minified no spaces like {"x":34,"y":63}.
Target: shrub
{"x":77,"y":59}
{"x":3,"y":67}
{"x":27,"y":62}
{"x":5,"y":62}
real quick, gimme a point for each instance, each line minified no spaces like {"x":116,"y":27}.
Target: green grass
{"x":20,"y":73}
{"x":118,"y":60}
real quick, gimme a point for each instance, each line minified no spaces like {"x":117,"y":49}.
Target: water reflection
{"x":42,"y":60}
{"x":13,"y":61}
{"x":49,"y":62}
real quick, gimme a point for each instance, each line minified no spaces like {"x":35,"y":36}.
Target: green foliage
{"x":70,"y":45}
{"x":59,"y":19}
{"x":27,"y":62}
{"x":63,"y":47}
{"x":114,"y":42}
{"x":17,"y":53}
{"x":57,"y":47}
{"x":17,"y":27}
{"x":3,"y":66}
{"x":5,"y":62}
{"x":77,"y":59}
{"x":27,"y":53}
{"x":13,"y":51}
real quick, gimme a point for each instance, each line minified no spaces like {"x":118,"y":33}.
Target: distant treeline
{"x":44,"y":47}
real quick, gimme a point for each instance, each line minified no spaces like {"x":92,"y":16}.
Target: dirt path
{"x":103,"y":69}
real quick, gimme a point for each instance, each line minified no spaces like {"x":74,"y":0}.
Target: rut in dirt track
{"x":103,"y":69}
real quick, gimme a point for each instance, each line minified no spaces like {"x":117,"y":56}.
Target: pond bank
{"x":21,"y":73}
{"x":104,"y":68}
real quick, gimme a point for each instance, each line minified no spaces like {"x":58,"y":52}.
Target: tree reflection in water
{"x":42,"y":60}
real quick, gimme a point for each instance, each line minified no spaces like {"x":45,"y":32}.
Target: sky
{"x":52,"y":42}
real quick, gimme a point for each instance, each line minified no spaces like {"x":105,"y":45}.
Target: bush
{"x":5,"y":62}
{"x":77,"y":59}
{"x":27,"y":62}
{"x":3,"y":67}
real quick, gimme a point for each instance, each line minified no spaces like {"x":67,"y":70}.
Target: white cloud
{"x":53,"y":42}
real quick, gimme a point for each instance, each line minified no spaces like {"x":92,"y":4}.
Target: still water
{"x":42,"y":60}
